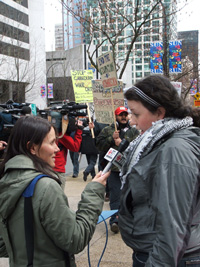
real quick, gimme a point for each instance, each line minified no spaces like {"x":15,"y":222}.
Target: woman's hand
{"x":101,"y":178}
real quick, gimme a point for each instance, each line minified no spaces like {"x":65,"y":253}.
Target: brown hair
{"x":160,"y":89}
{"x":28,"y":130}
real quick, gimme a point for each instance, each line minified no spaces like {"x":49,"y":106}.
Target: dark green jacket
{"x":56,"y":226}
{"x":105,"y":141}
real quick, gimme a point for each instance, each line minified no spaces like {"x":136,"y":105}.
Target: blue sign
{"x":156,"y":57}
{"x":175,"y":48}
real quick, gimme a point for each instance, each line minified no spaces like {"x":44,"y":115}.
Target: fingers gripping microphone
{"x":123,"y":145}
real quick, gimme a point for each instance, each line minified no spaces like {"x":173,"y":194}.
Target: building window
{"x":138,"y":46}
{"x":121,"y":47}
{"x":155,"y":23}
{"x":146,"y":38}
{"x":146,"y":46}
{"x":104,"y":48}
{"x":155,"y":30}
{"x":14,"y":51}
{"x":13,"y":14}
{"x":139,"y":39}
{"x":138,"y":74}
{"x":22,"y":2}
{"x":155,"y":38}
{"x":138,"y":60}
{"x":138,"y":67}
{"x":156,"y":16}
{"x":129,"y":32}
{"x":14,"y":33}
{"x":146,"y":53}
{"x":146,"y":67}
{"x":138,"y":53}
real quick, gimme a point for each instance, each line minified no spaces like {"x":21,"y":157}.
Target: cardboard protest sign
{"x":103,"y":102}
{"x":107,"y":70}
{"x":82,"y":84}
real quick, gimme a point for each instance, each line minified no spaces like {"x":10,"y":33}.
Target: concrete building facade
{"x":72,"y":28}
{"x":59,"y":37}
{"x":59,"y":65}
{"x":190,"y":44}
{"x":22,"y":53}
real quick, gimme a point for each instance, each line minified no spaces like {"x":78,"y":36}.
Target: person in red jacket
{"x":67,"y":143}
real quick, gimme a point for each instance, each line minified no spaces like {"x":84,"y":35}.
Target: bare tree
{"x":118,"y":25}
{"x":189,"y":77}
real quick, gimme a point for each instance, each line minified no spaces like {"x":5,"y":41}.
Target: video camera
{"x":63,"y":115}
{"x":10,"y":112}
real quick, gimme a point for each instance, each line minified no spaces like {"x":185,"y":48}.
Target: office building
{"x":22,"y":51}
{"x":151,"y":31}
{"x":190,"y":45}
{"x":72,"y":28}
{"x":111,"y":18}
{"x":59,"y":37}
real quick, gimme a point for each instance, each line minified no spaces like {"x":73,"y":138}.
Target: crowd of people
{"x":156,"y":191}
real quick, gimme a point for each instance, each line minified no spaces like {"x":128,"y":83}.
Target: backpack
{"x":28,"y":221}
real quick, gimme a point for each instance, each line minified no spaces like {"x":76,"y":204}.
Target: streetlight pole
{"x":165,"y":42}
{"x":55,"y":63}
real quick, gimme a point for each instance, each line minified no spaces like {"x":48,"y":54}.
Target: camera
{"x":69,"y":111}
{"x":10,"y":112}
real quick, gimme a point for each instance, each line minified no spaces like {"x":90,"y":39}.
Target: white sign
{"x":107,"y":70}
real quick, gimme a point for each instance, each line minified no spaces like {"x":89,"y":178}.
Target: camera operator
{"x":67,"y":143}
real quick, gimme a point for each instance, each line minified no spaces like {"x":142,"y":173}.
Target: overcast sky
{"x":188,"y":19}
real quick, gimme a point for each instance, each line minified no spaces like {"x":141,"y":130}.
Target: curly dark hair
{"x":160,"y":89}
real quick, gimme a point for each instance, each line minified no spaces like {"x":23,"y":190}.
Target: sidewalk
{"x":117,"y":254}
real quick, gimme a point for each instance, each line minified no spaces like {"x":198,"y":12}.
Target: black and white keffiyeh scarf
{"x":144,"y":143}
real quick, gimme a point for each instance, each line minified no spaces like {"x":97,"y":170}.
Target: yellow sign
{"x":197,"y":96}
{"x":82,"y":84}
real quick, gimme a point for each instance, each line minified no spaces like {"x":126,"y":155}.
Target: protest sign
{"x":82,"y":84}
{"x":177,"y":86}
{"x":103,"y":101}
{"x":107,"y":70}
